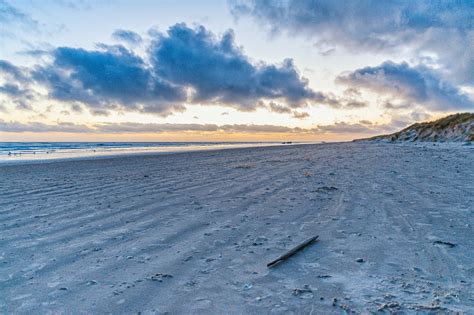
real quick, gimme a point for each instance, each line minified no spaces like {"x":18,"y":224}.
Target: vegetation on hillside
{"x":453,"y":128}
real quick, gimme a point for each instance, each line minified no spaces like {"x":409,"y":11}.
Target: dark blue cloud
{"x":415,"y":85}
{"x":11,"y":90}
{"x":443,"y":27}
{"x":185,"y":65}
{"x":365,"y":22}
{"x":219,"y":72}
{"x":16,"y":86}
{"x":12,"y":71}
{"x":112,"y":77}
{"x":127,"y":36}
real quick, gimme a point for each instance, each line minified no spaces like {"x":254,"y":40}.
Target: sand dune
{"x":193,"y":232}
{"x":452,"y":128}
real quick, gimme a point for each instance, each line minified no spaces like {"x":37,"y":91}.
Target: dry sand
{"x":193,"y":232}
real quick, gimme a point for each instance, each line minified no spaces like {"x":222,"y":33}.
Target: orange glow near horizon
{"x":172,"y":137}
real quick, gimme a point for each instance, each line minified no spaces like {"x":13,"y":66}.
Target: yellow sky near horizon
{"x":172,"y":137}
{"x":320,"y":116}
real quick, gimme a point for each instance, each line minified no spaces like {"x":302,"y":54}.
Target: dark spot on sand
{"x":160,"y":277}
{"x":444,"y":243}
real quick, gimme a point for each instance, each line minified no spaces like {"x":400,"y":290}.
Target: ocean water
{"x":30,"y":151}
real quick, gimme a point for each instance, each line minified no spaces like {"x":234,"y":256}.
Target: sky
{"x":250,"y":70}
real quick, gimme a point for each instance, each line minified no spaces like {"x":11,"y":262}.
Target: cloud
{"x":284,"y":109}
{"x":110,"y":78}
{"x":367,"y":127}
{"x":218,"y":71}
{"x":344,"y":127}
{"x":362,"y":127}
{"x":242,"y":128}
{"x":12,"y":90}
{"x":41,"y":127}
{"x":390,"y":105}
{"x":338,"y":127}
{"x":13,"y":72}
{"x":99,"y":112}
{"x":131,"y":127}
{"x":346,"y":101}
{"x":129,"y":37}
{"x":183,"y":65}
{"x":17,"y":86}
{"x":351,"y":92}
{"x":443,"y":27}
{"x":419,"y":85}
{"x":160,"y":128}
{"x":369,"y":24}
{"x":327,"y":52}
{"x":10,"y":14}
{"x":76,"y":4}
{"x":279,"y":108}
{"x":300,"y":115}
{"x":35,"y":53}
{"x":355,"y":104}
{"x":76,"y":108}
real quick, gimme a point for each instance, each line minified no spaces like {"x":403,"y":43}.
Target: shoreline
{"x":113,"y":155}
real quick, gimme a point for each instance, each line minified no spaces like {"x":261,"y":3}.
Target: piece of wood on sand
{"x":292,"y":251}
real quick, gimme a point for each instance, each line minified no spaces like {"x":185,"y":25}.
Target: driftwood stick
{"x":292,"y":251}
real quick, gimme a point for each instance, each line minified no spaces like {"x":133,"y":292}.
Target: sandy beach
{"x":192,"y":232}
